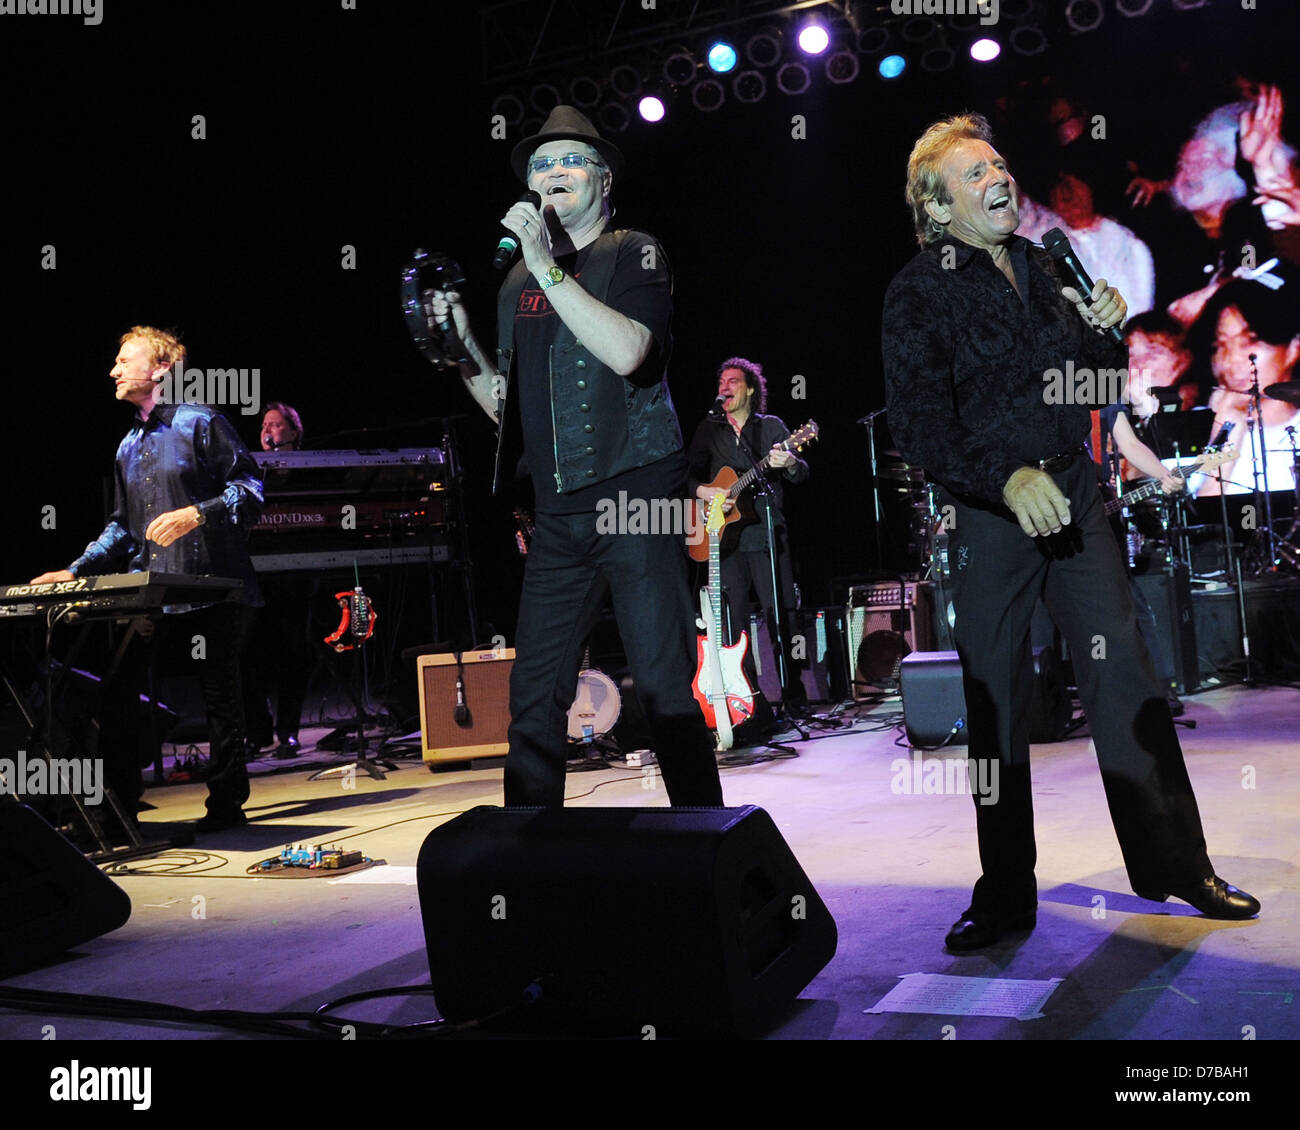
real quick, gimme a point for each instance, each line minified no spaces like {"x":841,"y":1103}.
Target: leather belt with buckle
{"x":1063,"y":460}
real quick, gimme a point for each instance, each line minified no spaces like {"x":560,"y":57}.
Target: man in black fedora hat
{"x":584,"y":338}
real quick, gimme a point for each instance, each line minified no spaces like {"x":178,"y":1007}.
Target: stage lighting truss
{"x":842,"y":66}
{"x":584,"y":92}
{"x":792,"y":78}
{"x":1084,"y":15}
{"x":708,"y":95}
{"x":510,"y":106}
{"x":763,"y":49}
{"x":749,"y":86}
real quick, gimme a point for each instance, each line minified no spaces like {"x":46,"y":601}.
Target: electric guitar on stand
{"x":741,"y":514}
{"x":720,"y":686}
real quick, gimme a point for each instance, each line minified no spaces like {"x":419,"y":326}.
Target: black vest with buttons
{"x":604,"y":424}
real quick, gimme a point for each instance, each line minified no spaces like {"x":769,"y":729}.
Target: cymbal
{"x":1284,"y":390}
{"x":901,"y":473}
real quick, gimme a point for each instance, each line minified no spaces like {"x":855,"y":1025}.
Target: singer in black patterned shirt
{"x":975,"y":327}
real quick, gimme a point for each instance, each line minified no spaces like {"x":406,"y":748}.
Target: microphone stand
{"x":1260,"y":462}
{"x":1233,"y":562}
{"x":763,"y":489}
{"x":870,"y":421}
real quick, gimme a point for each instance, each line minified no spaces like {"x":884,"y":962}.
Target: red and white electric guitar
{"x":720,"y":686}
{"x":1150,"y":490}
{"x":741,"y":514}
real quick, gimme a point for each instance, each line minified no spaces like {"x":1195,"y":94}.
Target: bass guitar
{"x":1153,"y":488}
{"x":720,"y":686}
{"x":741,"y":513}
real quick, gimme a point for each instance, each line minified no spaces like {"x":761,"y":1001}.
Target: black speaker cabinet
{"x":486,"y":679}
{"x":639,"y":922}
{"x":934,"y":701}
{"x":51,"y":896}
{"x":825,"y":671}
{"x":1169,"y":595}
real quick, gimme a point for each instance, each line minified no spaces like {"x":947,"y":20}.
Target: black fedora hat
{"x":566,"y":124}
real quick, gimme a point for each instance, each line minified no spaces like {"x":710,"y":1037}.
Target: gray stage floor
{"x":894,"y":869}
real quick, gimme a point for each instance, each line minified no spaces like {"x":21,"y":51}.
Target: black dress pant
{"x":746,"y":570}
{"x":998,"y":572}
{"x":207,"y":642}
{"x":570,"y":568}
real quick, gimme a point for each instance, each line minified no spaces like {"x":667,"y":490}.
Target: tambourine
{"x":440,"y":344}
{"x":357,"y":621}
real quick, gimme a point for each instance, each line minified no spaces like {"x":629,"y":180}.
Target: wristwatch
{"x":553,"y":276}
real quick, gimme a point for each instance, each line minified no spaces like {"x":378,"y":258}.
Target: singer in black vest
{"x":584,"y":339}
{"x":979,"y":336}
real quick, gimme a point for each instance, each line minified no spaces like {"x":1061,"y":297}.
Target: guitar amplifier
{"x":885,"y":622}
{"x":486,"y":680}
{"x":824,"y":669}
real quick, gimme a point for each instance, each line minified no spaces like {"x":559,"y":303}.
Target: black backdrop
{"x":370,"y":128}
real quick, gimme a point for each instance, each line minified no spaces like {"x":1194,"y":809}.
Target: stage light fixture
{"x":792,"y":78}
{"x":1132,"y":8}
{"x":1028,"y":39}
{"x":651,"y":108}
{"x":749,"y":86}
{"x":842,"y":66}
{"x":613,"y":118}
{"x":813,"y":38}
{"x":708,"y":95}
{"x":544,"y":98}
{"x":510,"y":107}
{"x":939,"y":58}
{"x":892,"y":66}
{"x":584,"y":92}
{"x":722,"y":58}
{"x":873,"y":40}
{"x":1084,"y":15}
{"x":625,"y":81}
{"x":680,"y":68}
{"x":918,"y":29}
{"x":985,"y":50}
{"x":764,"y":47}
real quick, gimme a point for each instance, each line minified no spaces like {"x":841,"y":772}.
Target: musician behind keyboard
{"x":186,"y":494}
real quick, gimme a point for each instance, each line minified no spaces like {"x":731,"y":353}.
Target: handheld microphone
{"x":1058,"y":247}
{"x":509,"y":243}
{"x":716,"y":410}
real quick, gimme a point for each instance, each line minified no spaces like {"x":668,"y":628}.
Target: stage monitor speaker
{"x":934,"y":700}
{"x":51,"y":896}
{"x":486,"y":678}
{"x":629,"y":922}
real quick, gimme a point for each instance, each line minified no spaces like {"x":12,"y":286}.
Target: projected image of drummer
{"x":1251,"y":335}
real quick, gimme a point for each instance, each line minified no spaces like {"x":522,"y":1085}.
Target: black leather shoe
{"x":1212,"y":897}
{"x":977,"y":929}
{"x":1176,"y":707}
{"x":287,"y":749}
{"x":220,"y":821}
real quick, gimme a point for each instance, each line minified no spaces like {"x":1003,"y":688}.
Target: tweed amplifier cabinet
{"x":480,"y":683}
{"x":885,"y":622}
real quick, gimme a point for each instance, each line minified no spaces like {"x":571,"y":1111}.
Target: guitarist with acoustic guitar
{"x":735,"y":436}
